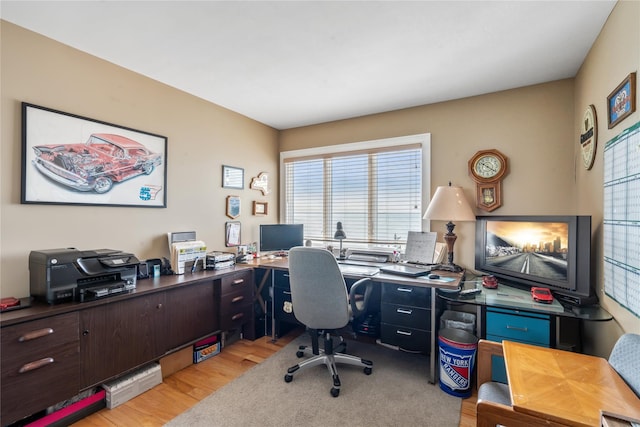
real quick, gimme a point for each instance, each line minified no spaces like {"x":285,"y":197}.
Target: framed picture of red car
{"x":70,"y":159}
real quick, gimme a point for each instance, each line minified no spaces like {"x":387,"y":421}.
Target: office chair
{"x":320,"y":302}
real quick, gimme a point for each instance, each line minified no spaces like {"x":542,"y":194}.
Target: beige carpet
{"x":397,"y":393}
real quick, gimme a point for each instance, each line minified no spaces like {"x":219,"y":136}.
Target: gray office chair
{"x":320,"y":302}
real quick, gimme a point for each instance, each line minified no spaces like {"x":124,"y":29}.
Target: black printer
{"x":59,"y":275}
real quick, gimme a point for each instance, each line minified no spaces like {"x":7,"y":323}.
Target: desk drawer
{"x":533,"y":329}
{"x":414,"y":296}
{"x":283,"y":306}
{"x":40,"y":365}
{"x":237,"y":281}
{"x":281,"y":279}
{"x":410,"y":339}
{"x":236,"y":316}
{"x":403,"y":315}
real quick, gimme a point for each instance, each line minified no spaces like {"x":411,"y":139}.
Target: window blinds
{"x":376,"y":194}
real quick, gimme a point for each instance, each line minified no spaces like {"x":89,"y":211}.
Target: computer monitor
{"x":280,"y":237}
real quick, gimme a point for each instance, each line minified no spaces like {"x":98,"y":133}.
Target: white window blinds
{"x":375,"y":193}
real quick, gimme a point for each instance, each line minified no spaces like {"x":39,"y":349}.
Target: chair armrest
{"x":362,"y":283}
{"x":486,"y":349}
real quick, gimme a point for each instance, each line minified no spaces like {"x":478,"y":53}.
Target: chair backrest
{"x":318,"y":291}
{"x":625,"y":359}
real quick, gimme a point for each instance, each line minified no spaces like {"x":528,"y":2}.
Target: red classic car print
{"x":97,"y":164}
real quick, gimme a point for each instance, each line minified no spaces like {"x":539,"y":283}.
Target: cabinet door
{"x":191,"y":313}
{"x":39,"y":365}
{"x":120,"y":336}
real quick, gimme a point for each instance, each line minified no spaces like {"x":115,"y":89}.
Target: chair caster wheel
{"x":288,"y":378}
{"x":368,"y":371}
{"x":299,"y":354}
{"x":335,"y":392}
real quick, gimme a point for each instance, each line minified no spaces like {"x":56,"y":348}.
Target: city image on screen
{"x":531,"y":248}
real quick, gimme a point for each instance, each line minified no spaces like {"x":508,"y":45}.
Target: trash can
{"x":458,"y":320}
{"x":457,"y":359}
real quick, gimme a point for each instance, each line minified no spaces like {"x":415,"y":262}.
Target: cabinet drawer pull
{"x":32,"y":366}
{"x":35,"y":334}
{"x":404,"y":311}
{"x":237,"y":299}
{"x":238,"y":282}
{"x":516,"y":328}
{"x":237,"y":316}
{"x":407,"y":333}
{"x":404,"y":290}
{"x":286,"y":292}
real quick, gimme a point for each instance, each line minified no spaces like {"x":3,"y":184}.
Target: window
{"x":374,"y":188}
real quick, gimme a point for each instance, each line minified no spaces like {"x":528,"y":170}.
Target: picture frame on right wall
{"x":622,"y":101}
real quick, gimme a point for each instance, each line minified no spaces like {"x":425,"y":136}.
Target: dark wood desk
{"x":449,"y":281}
{"x":565,"y":387}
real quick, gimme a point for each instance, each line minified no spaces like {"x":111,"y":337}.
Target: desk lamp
{"x":340,"y":235}
{"x":449,"y":204}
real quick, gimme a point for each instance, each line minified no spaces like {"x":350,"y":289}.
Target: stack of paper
{"x":187,"y":253}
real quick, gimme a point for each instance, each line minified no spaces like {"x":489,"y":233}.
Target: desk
{"x":565,"y":387}
{"x":449,"y":281}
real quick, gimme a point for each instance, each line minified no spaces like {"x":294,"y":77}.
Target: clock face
{"x":487,"y":166}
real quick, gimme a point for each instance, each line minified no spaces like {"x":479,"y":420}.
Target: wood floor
{"x":183,"y":389}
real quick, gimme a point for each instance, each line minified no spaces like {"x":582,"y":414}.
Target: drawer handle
{"x":237,"y":316}
{"x":286,"y":292}
{"x":238,"y":282}
{"x":516,"y":328}
{"x":32,"y":366}
{"x":237,"y":299}
{"x":407,"y":333}
{"x":404,"y":311}
{"x":35,"y":334}
{"x":404,"y":290}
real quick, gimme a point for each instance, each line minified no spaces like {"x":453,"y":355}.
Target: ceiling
{"x":295,"y":63}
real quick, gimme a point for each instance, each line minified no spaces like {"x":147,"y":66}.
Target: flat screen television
{"x":280,"y":237}
{"x":546,"y":251}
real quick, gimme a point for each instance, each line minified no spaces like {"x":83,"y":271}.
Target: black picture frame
{"x":69,"y":159}
{"x":232,"y":177}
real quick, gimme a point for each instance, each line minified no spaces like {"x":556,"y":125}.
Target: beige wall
{"x":614,"y":55}
{"x":536,"y":127}
{"x":201,"y":138}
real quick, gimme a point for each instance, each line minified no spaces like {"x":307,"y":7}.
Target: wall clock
{"x":487,"y":168}
{"x":589,"y":137}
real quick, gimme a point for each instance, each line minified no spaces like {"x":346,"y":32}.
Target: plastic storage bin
{"x":458,"y":320}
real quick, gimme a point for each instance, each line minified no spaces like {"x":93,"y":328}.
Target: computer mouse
{"x":433,"y":276}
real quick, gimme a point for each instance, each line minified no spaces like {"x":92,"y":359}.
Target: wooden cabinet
{"x":236,"y":302}
{"x":40,"y":363}
{"x":406,"y":317}
{"x":120,"y":336}
{"x":191,"y":313}
{"x":51,"y":353}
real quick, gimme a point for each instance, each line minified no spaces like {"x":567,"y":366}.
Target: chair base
{"x":328,"y":357}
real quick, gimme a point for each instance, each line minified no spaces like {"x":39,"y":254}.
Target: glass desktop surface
{"x":511,"y":297}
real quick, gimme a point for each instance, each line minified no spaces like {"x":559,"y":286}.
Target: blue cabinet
{"x":516,"y":325}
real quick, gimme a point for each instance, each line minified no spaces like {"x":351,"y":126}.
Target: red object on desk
{"x":8,"y":302}
{"x":542,"y":295}
{"x":490,"y":282}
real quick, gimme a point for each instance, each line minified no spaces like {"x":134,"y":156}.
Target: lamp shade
{"x":449,"y":204}
{"x":340,"y":234}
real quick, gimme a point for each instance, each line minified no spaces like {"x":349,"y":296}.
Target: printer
{"x":59,"y":275}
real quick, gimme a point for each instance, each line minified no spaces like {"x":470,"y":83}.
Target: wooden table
{"x":565,"y":387}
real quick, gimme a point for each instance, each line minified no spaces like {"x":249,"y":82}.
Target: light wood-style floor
{"x":183,"y":389}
